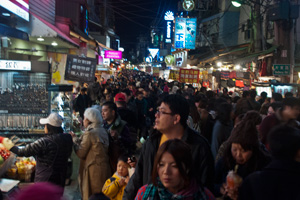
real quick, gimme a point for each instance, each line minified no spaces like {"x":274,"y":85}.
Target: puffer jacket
{"x":51,"y":153}
{"x":203,"y":162}
{"x":112,"y":188}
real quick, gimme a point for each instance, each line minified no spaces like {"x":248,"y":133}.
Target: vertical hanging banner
{"x":189,"y":75}
{"x":169,"y":17}
{"x":185,"y":33}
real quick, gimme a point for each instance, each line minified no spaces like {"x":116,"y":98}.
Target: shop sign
{"x":169,"y":28}
{"x":179,"y":61}
{"x":185,"y":33}
{"x":189,"y":75}
{"x":153,"y":52}
{"x":80,"y":69}
{"x":20,"y":7}
{"x":113,"y":54}
{"x":188,"y":5}
{"x":281,"y":69}
{"x":169,"y":60}
{"x":169,"y":16}
{"x":174,"y":75}
{"x":15,"y":65}
{"x":156,"y":71}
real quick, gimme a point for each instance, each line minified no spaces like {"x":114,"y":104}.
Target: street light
{"x":236,"y":3}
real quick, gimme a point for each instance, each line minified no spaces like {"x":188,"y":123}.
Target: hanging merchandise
{"x":224,"y":83}
{"x":239,"y":75}
{"x":239,"y":83}
{"x":225,"y":75}
{"x":205,"y":84}
{"x":232,"y":74}
{"x":231,"y":83}
{"x":247,"y":75}
{"x":263,"y":70}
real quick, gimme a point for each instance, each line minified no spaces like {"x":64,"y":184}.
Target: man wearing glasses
{"x":170,"y":123}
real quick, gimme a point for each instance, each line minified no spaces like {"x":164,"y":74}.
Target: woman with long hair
{"x":172,"y":176}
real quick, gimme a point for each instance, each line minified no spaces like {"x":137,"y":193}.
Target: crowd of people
{"x":146,"y":138}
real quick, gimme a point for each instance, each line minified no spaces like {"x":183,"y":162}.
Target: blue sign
{"x":185,"y":33}
{"x":169,"y":16}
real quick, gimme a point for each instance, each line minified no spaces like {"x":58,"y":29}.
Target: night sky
{"x":134,"y":17}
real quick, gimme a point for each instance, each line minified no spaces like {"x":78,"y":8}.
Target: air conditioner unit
{"x":5,"y":42}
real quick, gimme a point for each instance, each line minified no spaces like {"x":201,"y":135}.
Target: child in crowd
{"x":114,"y":186}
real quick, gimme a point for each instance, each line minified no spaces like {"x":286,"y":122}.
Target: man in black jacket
{"x":170,"y":123}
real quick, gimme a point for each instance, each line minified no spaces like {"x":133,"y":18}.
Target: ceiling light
{"x":237,"y":67}
{"x":236,"y":4}
{"x":54,"y":44}
{"x":6,"y":14}
{"x":219,"y":64}
{"x":40,"y":39}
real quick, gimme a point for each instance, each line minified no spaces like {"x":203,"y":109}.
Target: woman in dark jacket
{"x":242,"y":153}
{"x":51,"y":151}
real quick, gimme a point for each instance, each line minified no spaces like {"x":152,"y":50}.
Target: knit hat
{"x":120,"y":97}
{"x":93,"y":115}
{"x":53,"y":119}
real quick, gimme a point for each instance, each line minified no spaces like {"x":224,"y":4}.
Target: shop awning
{"x":12,"y":32}
{"x":223,"y":52}
{"x":42,"y":28}
{"x":250,"y":57}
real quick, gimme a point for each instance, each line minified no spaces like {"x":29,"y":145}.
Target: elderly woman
{"x":172,"y":175}
{"x":92,"y":149}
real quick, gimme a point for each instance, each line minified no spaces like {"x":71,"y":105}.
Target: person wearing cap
{"x":127,"y":115}
{"x":92,"y":149}
{"x":51,"y":151}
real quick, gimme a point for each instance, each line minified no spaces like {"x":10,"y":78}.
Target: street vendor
{"x":51,"y":152}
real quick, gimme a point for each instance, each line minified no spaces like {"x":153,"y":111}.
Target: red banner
{"x":189,"y":75}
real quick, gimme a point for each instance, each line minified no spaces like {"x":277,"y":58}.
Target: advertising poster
{"x":185,"y":33}
{"x":80,"y":69}
{"x":189,"y":75}
{"x":156,"y":71}
{"x":174,"y":75}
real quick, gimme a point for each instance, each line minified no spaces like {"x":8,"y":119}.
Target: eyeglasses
{"x":159,"y":112}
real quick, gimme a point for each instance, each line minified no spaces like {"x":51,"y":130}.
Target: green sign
{"x":169,"y":60}
{"x":281,"y":69}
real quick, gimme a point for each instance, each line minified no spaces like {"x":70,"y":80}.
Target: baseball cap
{"x":120,"y":97}
{"x":53,"y":119}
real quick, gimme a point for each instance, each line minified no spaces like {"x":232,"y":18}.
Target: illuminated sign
{"x":169,"y":29}
{"x":185,"y":33}
{"x":153,"y":52}
{"x":189,"y":75}
{"x":169,"y":16}
{"x":15,"y":65}
{"x":188,"y":5}
{"x":113,"y":54}
{"x":149,"y":59}
{"x":19,"y":7}
{"x":169,"y":60}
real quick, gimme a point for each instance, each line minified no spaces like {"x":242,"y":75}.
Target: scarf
{"x":193,"y":192}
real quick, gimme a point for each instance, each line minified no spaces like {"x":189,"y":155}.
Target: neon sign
{"x":169,"y":16}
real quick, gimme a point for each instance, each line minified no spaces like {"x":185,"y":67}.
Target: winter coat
{"x":120,"y":140}
{"x":273,"y":120}
{"x":112,"y":188}
{"x":279,"y":180}
{"x":94,"y":169}
{"x":202,"y":158}
{"x":51,"y":153}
